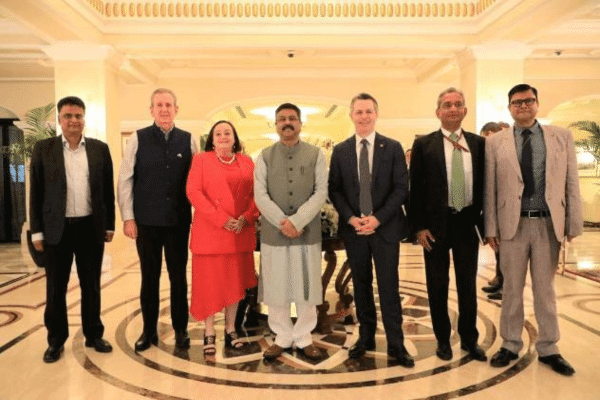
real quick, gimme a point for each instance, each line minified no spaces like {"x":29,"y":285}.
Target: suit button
{"x":291,"y":193}
{"x":291,"y":169}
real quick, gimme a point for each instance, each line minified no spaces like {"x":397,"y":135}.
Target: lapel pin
{"x":179,"y":155}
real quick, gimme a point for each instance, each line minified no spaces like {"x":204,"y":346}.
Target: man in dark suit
{"x":446,"y":198}
{"x":157,"y":214}
{"x":367,"y":186}
{"x":72,"y":213}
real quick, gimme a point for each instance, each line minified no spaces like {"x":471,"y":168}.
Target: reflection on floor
{"x":163,"y":372}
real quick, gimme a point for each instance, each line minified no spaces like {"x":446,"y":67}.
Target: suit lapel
{"x":92,"y":157}
{"x":60,"y":164}
{"x":378,"y":150}
{"x":474,"y":155}
{"x":438,"y":149}
{"x":353,"y":159}
{"x":551,"y":151}
{"x":509,"y":146}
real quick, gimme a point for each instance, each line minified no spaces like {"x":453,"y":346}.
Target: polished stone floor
{"x":162,"y":372}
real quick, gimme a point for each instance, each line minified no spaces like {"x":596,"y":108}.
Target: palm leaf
{"x":37,"y":119}
{"x":587,"y":126}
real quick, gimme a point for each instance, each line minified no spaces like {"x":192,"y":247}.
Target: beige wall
{"x":407,"y":107}
{"x":21,"y":97}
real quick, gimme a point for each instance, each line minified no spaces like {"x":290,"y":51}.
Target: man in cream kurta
{"x":290,"y":187}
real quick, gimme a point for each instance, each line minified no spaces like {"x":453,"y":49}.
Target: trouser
{"x":150,"y":243}
{"x":79,"y":241}
{"x":461,"y":238}
{"x":362,"y":251}
{"x":534,"y":244}
{"x":289,"y":333}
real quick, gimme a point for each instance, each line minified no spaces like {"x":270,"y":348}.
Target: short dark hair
{"x":522,"y":87}
{"x":364,"y":96}
{"x":70,"y":101}
{"x":289,"y":106}
{"x":237,"y":146}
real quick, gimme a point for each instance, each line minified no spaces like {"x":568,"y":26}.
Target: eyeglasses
{"x":519,"y":103}
{"x":448,"y":105}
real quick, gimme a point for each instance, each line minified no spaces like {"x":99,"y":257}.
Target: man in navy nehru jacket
{"x":157,"y":214}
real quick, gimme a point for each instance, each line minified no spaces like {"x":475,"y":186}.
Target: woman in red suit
{"x":220,"y":187}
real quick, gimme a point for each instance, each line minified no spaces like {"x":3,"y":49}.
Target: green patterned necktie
{"x":457,"y":186}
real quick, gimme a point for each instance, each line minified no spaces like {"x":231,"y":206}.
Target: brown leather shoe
{"x":311,"y":352}
{"x":273,"y":352}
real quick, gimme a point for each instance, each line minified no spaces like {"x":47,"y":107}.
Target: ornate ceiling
{"x":182,"y":38}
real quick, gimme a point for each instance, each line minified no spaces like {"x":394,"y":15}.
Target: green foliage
{"x":591,"y":143}
{"x":38,"y":129}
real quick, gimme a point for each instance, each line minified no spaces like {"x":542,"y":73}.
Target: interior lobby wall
{"x":21,"y":96}
{"x":406,"y":107}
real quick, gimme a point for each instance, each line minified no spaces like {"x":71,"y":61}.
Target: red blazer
{"x":213,"y":203}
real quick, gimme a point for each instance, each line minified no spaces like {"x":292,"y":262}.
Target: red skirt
{"x":219,"y":280}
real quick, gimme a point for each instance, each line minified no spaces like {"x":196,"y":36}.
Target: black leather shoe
{"x":502,"y":358}
{"x":145,"y":340}
{"x":402,"y":356}
{"x":475,"y":351}
{"x":99,"y":344}
{"x":496,"y":295}
{"x":52,"y":354}
{"x":361,"y":346}
{"x":182,"y":340}
{"x":444,"y":351}
{"x":492,"y":288}
{"x":558,"y":364}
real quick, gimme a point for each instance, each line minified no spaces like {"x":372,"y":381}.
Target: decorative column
{"x":90,"y":72}
{"x":487,"y":73}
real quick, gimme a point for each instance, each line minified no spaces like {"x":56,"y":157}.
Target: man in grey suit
{"x":72,"y":213}
{"x":531,"y":203}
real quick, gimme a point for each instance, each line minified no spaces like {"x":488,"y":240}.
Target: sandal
{"x":210,"y":348}
{"x":233,"y":341}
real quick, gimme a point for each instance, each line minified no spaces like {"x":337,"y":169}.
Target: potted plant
{"x":37,"y":128}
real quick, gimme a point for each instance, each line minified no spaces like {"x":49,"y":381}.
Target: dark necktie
{"x":527,"y":164}
{"x":366,"y":205}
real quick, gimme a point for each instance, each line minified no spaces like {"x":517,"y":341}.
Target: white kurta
{"x":282,"y":280}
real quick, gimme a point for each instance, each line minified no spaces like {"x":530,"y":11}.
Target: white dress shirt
{"x":467,"y":164}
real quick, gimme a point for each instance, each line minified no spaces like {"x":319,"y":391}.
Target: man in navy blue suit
{"x":367,"y":185}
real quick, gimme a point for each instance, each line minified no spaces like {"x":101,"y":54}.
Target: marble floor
{"x":165,"y":373}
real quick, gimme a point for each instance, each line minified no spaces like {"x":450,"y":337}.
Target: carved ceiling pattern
{"x":290,"y":9}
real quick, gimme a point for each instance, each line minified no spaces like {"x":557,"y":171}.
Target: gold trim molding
{"x":290,"y":9}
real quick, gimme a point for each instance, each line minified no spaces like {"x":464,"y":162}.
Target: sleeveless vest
{"x":159,"y":178}
{"x":290,"y":183}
